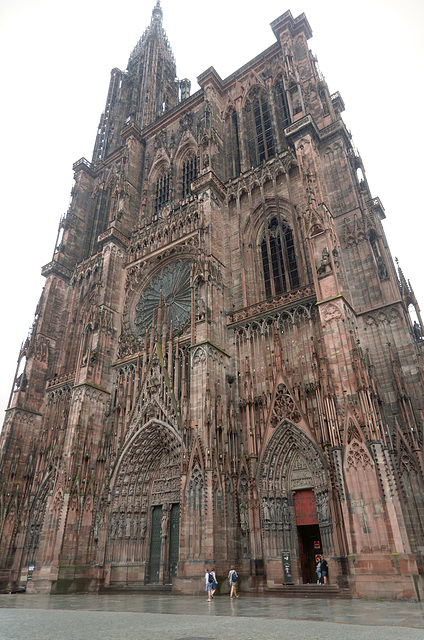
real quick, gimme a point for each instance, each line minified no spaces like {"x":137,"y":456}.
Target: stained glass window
{"x":190,"y":172}
{"x":278,"y":259}
{"x":162,"y":192}
{"x":260,"y":138}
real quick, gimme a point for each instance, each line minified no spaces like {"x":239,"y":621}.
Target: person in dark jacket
{"x":324,"y":569}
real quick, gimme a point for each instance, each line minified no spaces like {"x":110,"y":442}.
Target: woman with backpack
{"x":210,"y":580}
{"x":212,"y":576}
{"x":208,"y":587}
{"x":232,"y":579}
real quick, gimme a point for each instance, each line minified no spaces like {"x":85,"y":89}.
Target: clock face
{"x":172,"y":284}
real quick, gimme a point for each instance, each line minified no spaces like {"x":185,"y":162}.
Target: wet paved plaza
{"x":130,"y":616}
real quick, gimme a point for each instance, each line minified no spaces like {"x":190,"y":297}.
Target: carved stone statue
{"x":324,"y":508}
{"x":325,"y":264}
{"x":127,"y":527}
{"x":272,"y":509}
{"x":165,"y":517}
{"x":113,"y":526}
{"x":286,"y":512}
{"x":265,"y":505}
{"x":382,"y":269}
{"x":279,"y":511}
{"x":244,"y":520}
{"x":417,"y":331}
{"x":143,"y":526}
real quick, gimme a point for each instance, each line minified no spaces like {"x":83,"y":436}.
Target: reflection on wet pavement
{"x":365,"y":612}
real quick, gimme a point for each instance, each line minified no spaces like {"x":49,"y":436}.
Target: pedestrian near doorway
{"x":318,"y":570}
{"x":324,"y":569}
{"x":232,"y":579}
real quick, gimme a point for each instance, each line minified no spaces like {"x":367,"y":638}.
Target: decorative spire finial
{"x":157,"y":13}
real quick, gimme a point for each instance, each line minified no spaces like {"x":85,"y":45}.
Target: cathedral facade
{"x":222,"y":367}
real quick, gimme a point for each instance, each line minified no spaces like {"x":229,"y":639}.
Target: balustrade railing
{"x":288,"y":298}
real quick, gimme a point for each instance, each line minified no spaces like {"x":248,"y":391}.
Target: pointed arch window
{"x":278,"y":258}
{"x":162,"y":191}
{"x":260,"y":137}
{"x":233,"y":145}
{"x":282,"y":104}
{"x":190,"y":173}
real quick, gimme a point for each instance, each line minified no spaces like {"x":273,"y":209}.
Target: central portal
{"x":155,"y":546}
{"x":308,"y":534}
{"x":164,"y":544}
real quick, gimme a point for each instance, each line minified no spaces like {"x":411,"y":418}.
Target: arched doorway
{"x":143,"y":519}
{"x":294,"y":504}
{"x":308,"y":533}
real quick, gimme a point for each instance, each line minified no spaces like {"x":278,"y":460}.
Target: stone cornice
{"x":84,"y":165}
{"x":294,"y":25}
{"x":301,"y":127}
{"x":57,"y":269}
{"x":24,"y":410}
{"x":209,"y":180}
{"x":91,"y":385}
{"x":208,"y":343}
{"x":132,"y":130}
{"x":61,"y":381}
{"x":113,"y":235}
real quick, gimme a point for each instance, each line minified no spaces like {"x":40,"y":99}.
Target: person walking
{"x":209,"y":582}
{"x":214,"y":581}
{"x":232,"y":579}
{"x":324,"y":569}
{"x":318,"y":570}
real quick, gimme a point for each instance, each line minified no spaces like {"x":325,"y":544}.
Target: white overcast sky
{"x":56,"y":61}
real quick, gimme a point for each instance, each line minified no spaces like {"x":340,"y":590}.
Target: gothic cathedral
{"x":224,"y":365}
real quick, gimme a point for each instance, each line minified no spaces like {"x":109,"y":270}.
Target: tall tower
{"x":222,"y":366}
{"x":141,"y":94}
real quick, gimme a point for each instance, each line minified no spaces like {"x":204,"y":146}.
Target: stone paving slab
{"x":26,"y":624}
{"x":141,"y":616}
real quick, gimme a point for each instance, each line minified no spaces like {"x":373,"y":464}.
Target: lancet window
{"x":278,"y":258}
{"x":381,"y":265}
{"x":260,"y":137}
{"x":282,"y":105}
{"x":162,"y":191}
{"x":233,"y":145}
{"x":190,"y":173}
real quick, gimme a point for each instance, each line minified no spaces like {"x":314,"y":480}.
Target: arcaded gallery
{"x":224,"y":366}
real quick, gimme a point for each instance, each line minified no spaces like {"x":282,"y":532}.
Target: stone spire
{"x":144,"y":92}
{"x":153,"y":31}
{"x":157,"y":13}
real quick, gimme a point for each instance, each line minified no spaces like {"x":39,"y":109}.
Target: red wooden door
{"x":305,"y":507}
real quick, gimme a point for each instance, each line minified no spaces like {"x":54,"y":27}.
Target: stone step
{"x":133,"y":587}
{"x":327,"y":591}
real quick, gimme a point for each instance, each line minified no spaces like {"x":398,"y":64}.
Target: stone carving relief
{"x":284,"y":407}
{"x":198,"y":356}
{"x":358,"y":456}
{"x":300,"y":476}
{"x":353,"y":433}
{"x":331,"y":313}
{"x":382,"y":317}
{"x":323,"y":508}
